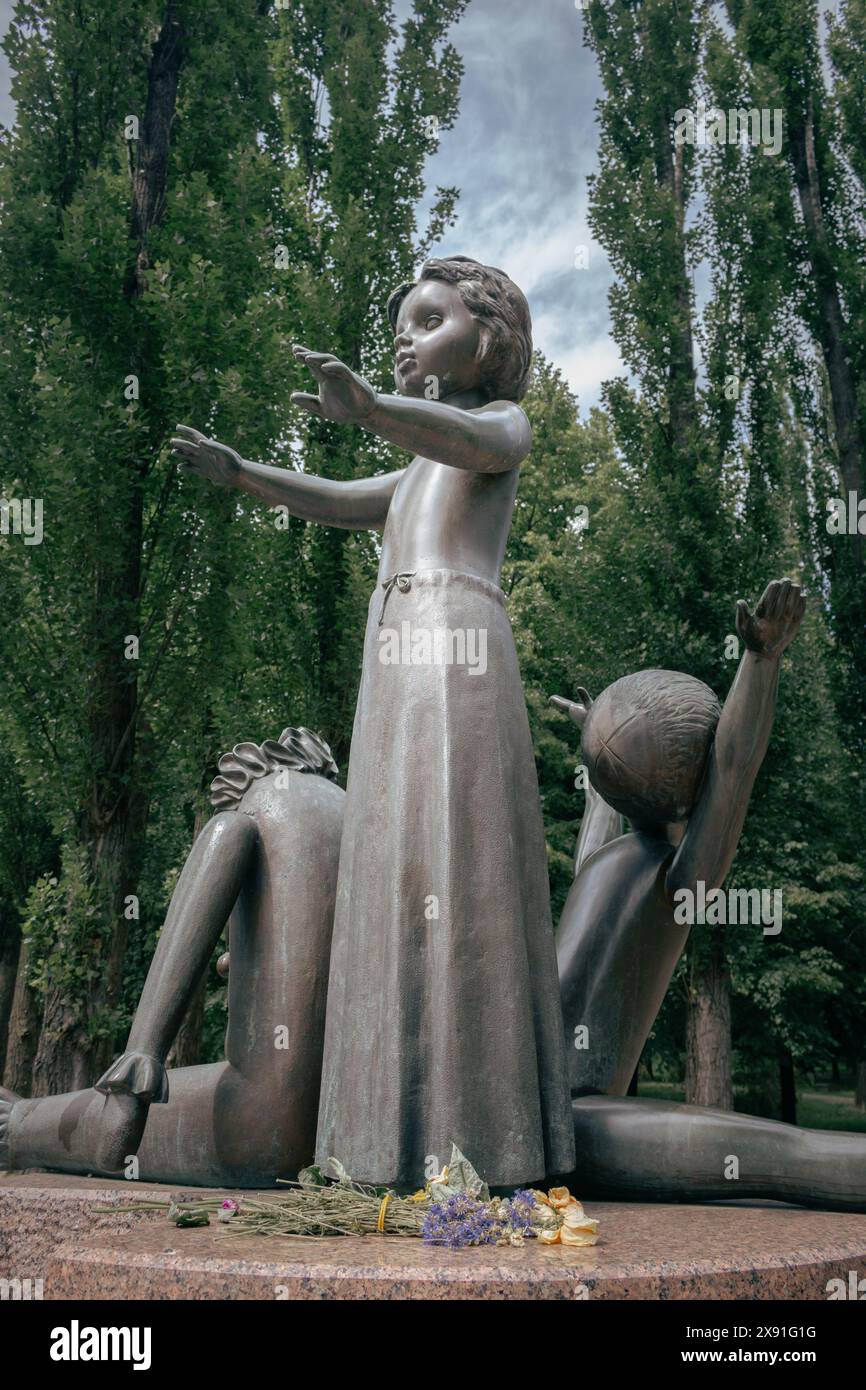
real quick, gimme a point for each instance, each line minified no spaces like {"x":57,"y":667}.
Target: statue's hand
{"x":135,"y":1074}
{"x":776,"y":619}
{"x":206,"y":456}
{"x":577,"y":711}
{"x":343,"y":395}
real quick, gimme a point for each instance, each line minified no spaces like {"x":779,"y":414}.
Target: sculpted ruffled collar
{"x":298,"y":749}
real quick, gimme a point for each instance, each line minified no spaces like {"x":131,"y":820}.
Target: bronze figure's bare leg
{"x":655,"y":1151}
{"x":102,"y":1127}
{"x":79,"y":1132}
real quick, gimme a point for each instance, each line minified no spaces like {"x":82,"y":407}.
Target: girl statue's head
{"x":467,"y":326}
{"x":645,"y":742}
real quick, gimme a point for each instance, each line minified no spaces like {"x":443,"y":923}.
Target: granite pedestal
{"x":50,"y":1230}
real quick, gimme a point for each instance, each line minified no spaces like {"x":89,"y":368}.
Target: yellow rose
{"x":560,"y":1197}
{"x":549,"y":1237}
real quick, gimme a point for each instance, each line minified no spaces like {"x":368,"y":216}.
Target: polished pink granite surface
{"x":50,"y":1229}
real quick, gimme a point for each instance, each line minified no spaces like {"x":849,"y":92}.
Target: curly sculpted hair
{"x":505,"y":351}
{"x":646,"y":741}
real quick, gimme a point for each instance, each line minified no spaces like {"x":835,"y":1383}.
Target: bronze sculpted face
{"x":436,"y":338}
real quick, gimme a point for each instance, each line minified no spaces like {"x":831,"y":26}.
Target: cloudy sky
{"x":520,"y":152}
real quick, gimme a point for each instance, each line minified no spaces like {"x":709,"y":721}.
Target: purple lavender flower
{"x":517,"y":1213}
{"x":459,"y":1221}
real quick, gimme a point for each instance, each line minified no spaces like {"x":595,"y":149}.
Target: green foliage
{"x":302,"y":131}
{"x":296,"y":166}
{"x":723,"y":477}
{"x":66,"y":932}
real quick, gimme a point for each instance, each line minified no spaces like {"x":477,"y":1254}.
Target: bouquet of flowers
{"x":453,"y":1209}
{"x":461,"y":1212}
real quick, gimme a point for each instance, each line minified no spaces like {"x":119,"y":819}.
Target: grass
{"x":815,"y":1109}
{"x":826,"y":1111}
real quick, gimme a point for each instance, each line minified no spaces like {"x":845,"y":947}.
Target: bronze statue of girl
{"x":443,"y":1021}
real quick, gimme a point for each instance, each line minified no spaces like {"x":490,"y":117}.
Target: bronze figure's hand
{"x":207,"y":457}
{"x":577,"y":712}
{"x":776,"y":619}
{"x":343,"y":396}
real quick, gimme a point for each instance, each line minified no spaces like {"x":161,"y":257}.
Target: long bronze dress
{"x":443,"y":1018}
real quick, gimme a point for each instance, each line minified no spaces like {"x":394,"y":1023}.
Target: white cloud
{"x":520,"y":151}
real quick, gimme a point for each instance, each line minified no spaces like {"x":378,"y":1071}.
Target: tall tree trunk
{"x":682,"y":401}
{"x":708,"y":1027}
{"x":832,"y":328}
{"x":10,"y":948}
{"x":113,"y":823}
{"x":860,"y":1090}
{"x":708,"y":1059}
{"x":787,"y":1088}
{"x":23,"y":1032}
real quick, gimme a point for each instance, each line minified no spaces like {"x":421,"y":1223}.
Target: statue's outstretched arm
{"x":359,"y":504}
{"x":713,"y":832}
{"x":491,"y":439}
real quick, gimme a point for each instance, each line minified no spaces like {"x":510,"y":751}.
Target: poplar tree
{"x":189,"y":188}
{"x":642,"y":211}
{"x":823,"y":163}
{"x":134,"y":132}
